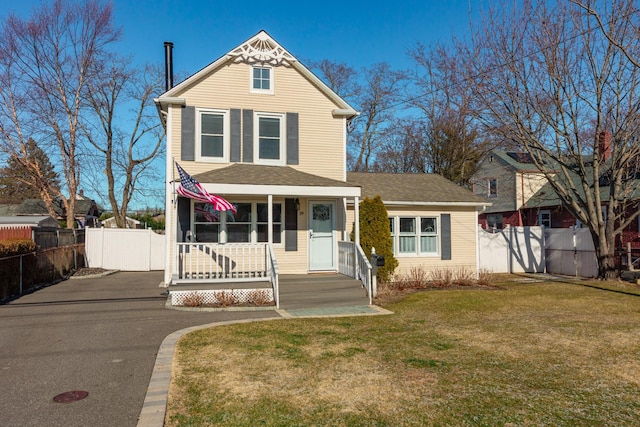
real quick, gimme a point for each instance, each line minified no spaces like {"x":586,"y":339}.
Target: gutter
{"x":461,"y":204}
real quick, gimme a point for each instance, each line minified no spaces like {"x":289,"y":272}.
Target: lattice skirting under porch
{"x":226,"y":297}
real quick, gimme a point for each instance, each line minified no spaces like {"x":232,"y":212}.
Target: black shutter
{"x":247,"y":136}
{"x":184,"y":218}
{"x":235,"y":135}
{"x":290,"y":225}
{"x":188,"y":138}
{"x":292,"y":138}
{"x":445,"y":238}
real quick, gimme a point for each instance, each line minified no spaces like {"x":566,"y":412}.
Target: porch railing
{"x":228,"y":262}
{"x":352,"y":262}
{"x":272,"y":269}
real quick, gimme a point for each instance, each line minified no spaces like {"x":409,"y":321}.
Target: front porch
{"x":300,"y":291}
{"x":246,"y":271}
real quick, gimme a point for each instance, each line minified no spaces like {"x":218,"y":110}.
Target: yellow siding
{"x":529,"y":185}
{"x":321,"y":142}
{"x":463,"y":238}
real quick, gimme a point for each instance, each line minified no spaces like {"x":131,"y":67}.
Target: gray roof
{"x":413,"y":188}
{"x":37,"y":207}
{"x":27,"y":220}
{"x":266,"y":175}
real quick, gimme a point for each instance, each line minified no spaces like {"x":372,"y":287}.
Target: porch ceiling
{"x":276,"y":180}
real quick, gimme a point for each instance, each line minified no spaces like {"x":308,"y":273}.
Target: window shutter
{"x":234,"y":155}
{"x":290,"y":225}
{"x":445,"y":238}
{"x":292,"y":138}
{"x":247,"y":136}
{"x":184,"y":218}
{"x":188,"y":137}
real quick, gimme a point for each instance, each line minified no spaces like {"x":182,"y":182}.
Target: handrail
{"x":364,"y":272}
{"x":272,"y":270}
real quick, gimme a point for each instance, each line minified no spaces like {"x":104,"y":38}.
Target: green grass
{"x":527,"y":355}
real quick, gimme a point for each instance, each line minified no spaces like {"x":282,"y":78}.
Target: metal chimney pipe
{"x":168,"y":65}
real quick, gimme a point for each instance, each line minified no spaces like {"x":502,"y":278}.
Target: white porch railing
{"x":353,"y":263}
{"x":228,"y":262}
{"x":272,"y":270}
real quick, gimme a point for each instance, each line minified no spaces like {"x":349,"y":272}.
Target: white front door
{"x":322,"y":244}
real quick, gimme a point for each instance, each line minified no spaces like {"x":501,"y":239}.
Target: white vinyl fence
{"x":570,"y":252}
{"x":125,"y":249}
{"x":512,"y":250}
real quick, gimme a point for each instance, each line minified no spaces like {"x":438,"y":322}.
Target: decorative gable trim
{"x":262,"y":49}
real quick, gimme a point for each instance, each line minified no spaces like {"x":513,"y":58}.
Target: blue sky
{"x":358,"y":33}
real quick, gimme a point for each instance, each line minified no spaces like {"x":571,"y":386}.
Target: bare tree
{"x":441,"y":95}
{"x":126,"y":132}
{"x":377,"y":100}
{"x":46,"y":64}
{"x":376,"y":94}
{"x":546,"y":77}
{"x":402,"y":148}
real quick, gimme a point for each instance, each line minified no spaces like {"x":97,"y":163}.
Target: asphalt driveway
{"x":96,"y":335}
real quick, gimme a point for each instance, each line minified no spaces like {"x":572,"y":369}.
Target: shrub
{"x":259,"y":297}
{"x":225,"y":298}
{"x":463,"y":277}
{"x":441,"y":277}
{"x":375,"y":232}
{"x":10,"y":247}
{"x":193,"y":299}
{"x":485,"y":277}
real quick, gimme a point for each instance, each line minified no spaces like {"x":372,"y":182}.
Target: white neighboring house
{"x":131,"y":223}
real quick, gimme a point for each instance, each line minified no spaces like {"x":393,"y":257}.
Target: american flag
{"x":192,"y":189}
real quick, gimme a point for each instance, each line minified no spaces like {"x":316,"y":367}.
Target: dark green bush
{"x":10,"y":247}
{"x":375,"y":232}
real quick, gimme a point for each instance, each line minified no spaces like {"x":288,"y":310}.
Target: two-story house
{"x":516,"y":189}
{"x":261,"y":130}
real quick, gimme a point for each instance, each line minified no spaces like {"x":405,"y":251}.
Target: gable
{"x":262,"y":49}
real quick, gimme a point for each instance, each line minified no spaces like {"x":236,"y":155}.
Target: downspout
{"x":171,"y":218}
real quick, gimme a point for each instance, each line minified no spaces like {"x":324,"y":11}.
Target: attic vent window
{"x":262,"y":79}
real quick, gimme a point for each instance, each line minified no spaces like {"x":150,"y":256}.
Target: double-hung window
{"x":213,"y":135}
{"x":262,"y":79}
{"x":414,"y":235}
{"x":269,"y":138}
{"x":492,"y":187}
{"x":250,"y":223}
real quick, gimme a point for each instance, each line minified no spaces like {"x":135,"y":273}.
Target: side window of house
{"x":269,"y":138}
{"x":544,"y":218}
{"x":263,"y":222}
{"x":492,"y":187}
{"x":429,"y":235}
{"x":250,"y":224}
{"x":213,"y":135}
{"x":494,"y":222}
{"x":261,"y":79}
{"x":409,"y":239}
{"x":206,"y":222}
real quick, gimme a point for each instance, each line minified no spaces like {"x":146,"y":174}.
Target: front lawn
{"x":528,"y":354}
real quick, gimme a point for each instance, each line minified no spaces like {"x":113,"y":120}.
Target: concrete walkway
{"x":102,"y":336}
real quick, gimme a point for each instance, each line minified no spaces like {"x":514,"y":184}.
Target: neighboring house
{"x":433,"y":221}
{"x":261,"y":130}
{"x":86,"y":210}
{"x":519,"y":193}
{"x":130,"y":223}
{"x":28,"y":221}
{"x":522,"y":196}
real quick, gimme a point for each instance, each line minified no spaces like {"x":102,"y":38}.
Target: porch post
{"x":356,"y":212}
{"x":270,"y":216}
